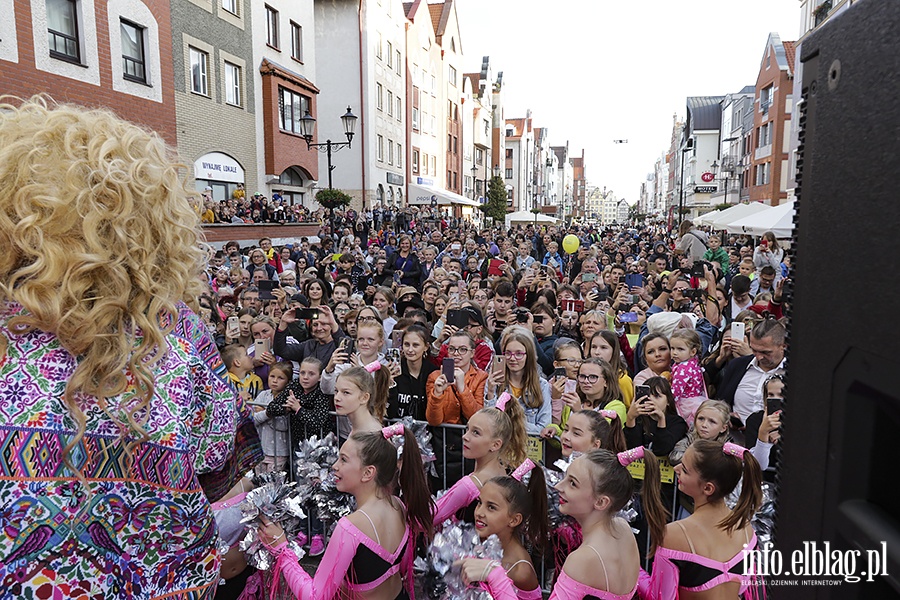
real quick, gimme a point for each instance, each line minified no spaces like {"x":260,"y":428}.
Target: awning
{"x":738,"y":211}
{"x":777,"y":219}
{"x":423,"y":194}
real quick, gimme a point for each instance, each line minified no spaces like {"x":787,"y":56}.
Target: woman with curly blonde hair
{"x":115,"y":412}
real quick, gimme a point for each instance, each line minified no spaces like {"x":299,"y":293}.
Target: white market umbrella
{"x":738,"y":211}
{"x":777,"y":219}
{"x":706,"y":219}
{"x":526,"y":216}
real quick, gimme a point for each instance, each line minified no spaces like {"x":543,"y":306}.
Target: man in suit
{"x":743,"y":378}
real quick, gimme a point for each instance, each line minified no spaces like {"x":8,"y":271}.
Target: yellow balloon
{"x":571,"y":243}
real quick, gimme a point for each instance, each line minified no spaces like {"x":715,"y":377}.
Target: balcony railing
{"x":821,"y":12}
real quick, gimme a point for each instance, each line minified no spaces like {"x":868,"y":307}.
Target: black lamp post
{"x":308,"y":127}
{"x":728,"y":169}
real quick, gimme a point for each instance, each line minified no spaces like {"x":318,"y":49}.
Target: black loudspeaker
{"x":839,"y":480}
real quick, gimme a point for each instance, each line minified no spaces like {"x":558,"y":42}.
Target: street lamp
{"x":729,"y":169}
{"x":308,"y":127}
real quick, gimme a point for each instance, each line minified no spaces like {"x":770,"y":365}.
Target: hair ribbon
{"x":523,"y":469}
{"x":373,"y":366}
{"x":734,"y":450}
{"x":392,"y":430}
{"x":609,"y":414}
{"x":502,"y":400}
{"x":629,"y":456}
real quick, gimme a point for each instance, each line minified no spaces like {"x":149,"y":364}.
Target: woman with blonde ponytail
{"x":115,"y":410}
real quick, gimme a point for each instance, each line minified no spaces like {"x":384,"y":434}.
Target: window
{"x":509,"y":173}
{"x":399,"y":108}
{"x":487,"y":127}
{"x":415,"y":161}
{"x":390,"y":104}
{"x":390,"y":152}
{"x":62,"y":28}
{"x":765,"y":99}
{"x":390,"y":55}
{"x":296,"y":42}
{"x":434,"y":165}
{"x":231,"y":6}
{"x":232,"y":84}
{"x":399,"y":155}
{"x":133,"y":52}
{"x":397,"y":61}
{"x":425,"y":164}
{"x":433,"y":85}
{"x":449,"y":179}
{"x":379,"y":96}
{"x":293,"y":107}
{"x":379,"y":148}
{"x":199,"y":70}
{"x":452,"y":76}
{"x":272,"y":27}
{"x":378,"y":46}
{"x":479,"y":156}
{"x":509,"y":154}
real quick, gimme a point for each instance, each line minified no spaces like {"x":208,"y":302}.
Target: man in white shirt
{"x":743,"y":379}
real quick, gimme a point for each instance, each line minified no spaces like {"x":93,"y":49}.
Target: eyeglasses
{"x":572,"y":362}
{"x":457,"y":351}
{"x":366,"y":319}
{"x":514,"y":355}
{"x":588,"y":378}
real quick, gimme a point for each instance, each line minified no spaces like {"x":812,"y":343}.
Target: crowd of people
{"x":628,"y":353}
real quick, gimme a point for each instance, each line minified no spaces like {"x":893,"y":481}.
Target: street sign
{"x":707,"y":177}
{"x":705,"y":189}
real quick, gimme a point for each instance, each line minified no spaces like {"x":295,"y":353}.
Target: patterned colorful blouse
{"x":142,"y":532}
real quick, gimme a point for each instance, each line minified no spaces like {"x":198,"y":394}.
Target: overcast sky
{"x":597,"y":70}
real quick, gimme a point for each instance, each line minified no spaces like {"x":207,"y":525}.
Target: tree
{"x":331,"y":198}
{"x":495,"y":207}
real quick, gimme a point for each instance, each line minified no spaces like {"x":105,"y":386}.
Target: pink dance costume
{"x":688,"y":571}
{"x":501,"y":587}
{"x":460,"y":495}
{"x":521,"y":594}
{"x":688,"y":388}
{"x":355,"y":562}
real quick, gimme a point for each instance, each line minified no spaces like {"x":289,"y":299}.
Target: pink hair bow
{"x":734,"y":450}
{"x":523,"y":469}
{"x":629,"y":456}
{"x":502,"y":400}
{"x":392,"y":430}
{"x":372,"y":366}
{"x":608,"y":414}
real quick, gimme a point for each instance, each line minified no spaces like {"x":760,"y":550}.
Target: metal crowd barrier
{"x":538,"y":449}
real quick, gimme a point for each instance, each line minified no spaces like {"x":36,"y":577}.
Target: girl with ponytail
{"x":588,"y":430}
{"x":597,"y":485}
{"x":715,"y":537}
{"x":371,"y":551}
{"x":515,"y":511}
{"x":495,"y":440}
{"x":361,"y":395}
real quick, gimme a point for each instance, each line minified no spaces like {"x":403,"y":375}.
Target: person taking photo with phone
{"x":516,"y":371}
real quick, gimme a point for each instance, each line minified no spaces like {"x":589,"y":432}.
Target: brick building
{"x":115,"y":54}
{"x":771,"y":123}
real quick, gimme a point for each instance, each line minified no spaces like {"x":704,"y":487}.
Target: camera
{"x":697,"y":270}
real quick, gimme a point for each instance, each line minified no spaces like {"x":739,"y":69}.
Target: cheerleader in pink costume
{"x":494,"y":438}
{"x":513,"y":510}
{"x":708,"y":472}
{"x":370,"y":551}
{"x":688,"y":385}
{"x":597,"y":485}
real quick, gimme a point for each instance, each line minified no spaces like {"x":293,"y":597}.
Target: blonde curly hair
{"x":99,"y":244}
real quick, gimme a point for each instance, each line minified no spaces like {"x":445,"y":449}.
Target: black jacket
{"x":732,"y":374}
{"x":410,"y":267}
{"x":660,"y":441}
{"x":408,"y":397}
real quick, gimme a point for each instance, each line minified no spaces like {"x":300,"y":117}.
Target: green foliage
{"x":536,"y":210}
{"x":333,"y":198}
{"x":495,"y":206}
{"x":723,"y":206}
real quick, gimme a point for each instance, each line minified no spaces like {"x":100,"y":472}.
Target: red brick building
{"x":769,"y":169}
{"x":95,"y":53}
{"x":579,"y":183}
